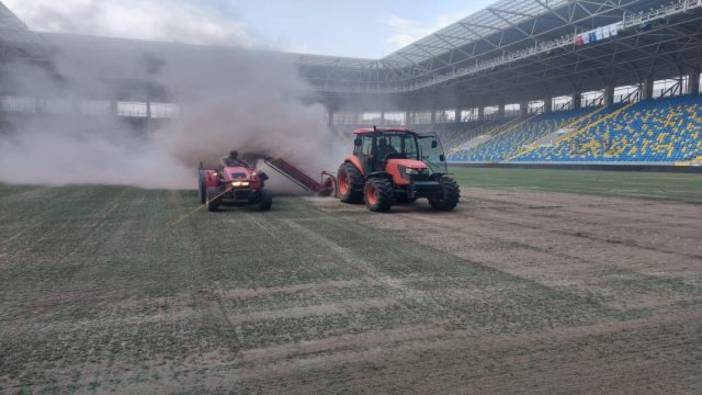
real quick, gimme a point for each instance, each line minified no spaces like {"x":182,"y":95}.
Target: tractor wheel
{"x":202,"y":188}
{"x":450,"y":198}
{"x":351,"y":183}
{"x":214,"y":200}
{"x":379,"y":195}
{"x":266,"y":201}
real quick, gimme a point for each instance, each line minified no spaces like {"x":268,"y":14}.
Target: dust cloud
{"x":252,"y":101}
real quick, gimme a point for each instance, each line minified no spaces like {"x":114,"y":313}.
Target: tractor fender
{"x":211,"y":178}
{"x":353,"y":159}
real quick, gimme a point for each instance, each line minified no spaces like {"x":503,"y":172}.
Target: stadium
{"x":572,"y":263}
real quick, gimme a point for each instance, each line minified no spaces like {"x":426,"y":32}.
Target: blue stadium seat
{"x":662,"y":130}
{"x":507,"y":144}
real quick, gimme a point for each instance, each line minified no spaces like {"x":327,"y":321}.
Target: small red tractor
{"x":233,"y":185}
{"x":393,"y":165}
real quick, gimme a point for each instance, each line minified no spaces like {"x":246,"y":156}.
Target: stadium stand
{"x":455,"y":135}
{"x":507,"y":143}
{"x":663,"y":130}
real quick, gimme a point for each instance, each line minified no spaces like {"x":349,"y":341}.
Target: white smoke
{"x":230,"y":99}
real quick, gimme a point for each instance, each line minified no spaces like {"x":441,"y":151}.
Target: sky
{"x":360,"y":28}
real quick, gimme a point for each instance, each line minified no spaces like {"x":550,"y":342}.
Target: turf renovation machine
{"x":394,"y":165}
{"x":233,"y":185}
{"x":243,"y":185}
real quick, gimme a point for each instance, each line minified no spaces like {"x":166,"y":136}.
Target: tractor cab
{"x":375,"y":147}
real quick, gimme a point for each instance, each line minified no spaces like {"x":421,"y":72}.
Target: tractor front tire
{"x":378,"y":195}
{"x":351,"y":183}
{"x":266,"y":201}
{"x":450,"y":197}
{"x":214,"y":200}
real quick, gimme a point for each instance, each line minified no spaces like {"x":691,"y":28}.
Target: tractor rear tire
{"x":379,"y":195}
{"x":266,"y":201}
{"x":202,"y":187}
{"x":450,"y":198}
{"x":351,"y":183}
{"x":214,"y":200}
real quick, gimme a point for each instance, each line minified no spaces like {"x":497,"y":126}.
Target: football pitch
{"x":541,"y":281}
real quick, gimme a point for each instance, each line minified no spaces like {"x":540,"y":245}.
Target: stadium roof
{"x":9,"y":21}
{"x":511,"y":50}
{"x":520,"y":48}
{"x":504,"y":14}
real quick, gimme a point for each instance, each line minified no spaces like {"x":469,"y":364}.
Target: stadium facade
{"x":526,"y":75}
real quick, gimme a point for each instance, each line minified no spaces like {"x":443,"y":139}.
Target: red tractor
{"x":390,"y":166}
{"x":235,"y":185}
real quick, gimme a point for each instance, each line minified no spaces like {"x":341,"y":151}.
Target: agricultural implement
{"x":326,"y":186}
{"x":246,"y":186}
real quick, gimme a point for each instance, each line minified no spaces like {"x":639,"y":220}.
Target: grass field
{"x":132,"y":291}
{"x":652,"y":185}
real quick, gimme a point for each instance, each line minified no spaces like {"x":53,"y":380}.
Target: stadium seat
{"x":662,"y":130}
{"x":508,"y":143}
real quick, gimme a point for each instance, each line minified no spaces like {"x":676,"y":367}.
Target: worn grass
{"x":110,"y":288}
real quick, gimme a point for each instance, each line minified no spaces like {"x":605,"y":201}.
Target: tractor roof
{"x":363,"y":131}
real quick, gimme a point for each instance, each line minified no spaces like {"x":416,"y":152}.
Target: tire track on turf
{"x":589,"y":236}
{"x":368,"y":270}
{"x":37,"y":220}
{"x":622,"y":208}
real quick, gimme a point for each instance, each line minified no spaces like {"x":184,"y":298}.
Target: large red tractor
{"x":390,"y":166}
{"x":234,"y":185}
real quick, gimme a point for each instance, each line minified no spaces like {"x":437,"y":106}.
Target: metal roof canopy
{"x":474,"y":55}
{"x":503,"y":15}
{"x":462,"y":49}
{"x":9,"y":21}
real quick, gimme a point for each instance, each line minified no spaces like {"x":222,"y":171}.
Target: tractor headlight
{"x":407,"y":173}
{"x":238,"y":184}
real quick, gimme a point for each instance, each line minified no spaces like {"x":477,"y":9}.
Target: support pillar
{"x":408,"y":118}
{"x":524,"y":108}
{"x":433,"y":117}
{"x":647,"y":89}
{"x":694,"y":83}
{"x":481,"y":113}
{"x":501,"y":111}
{"x":330,"y":116}
{"x":609,"y":95}
{"x":382,"y":118}
{"x":577,"y":100}
{"x":458,"y":116}
{"x":150,"y":123}
{"x":548,"y":104}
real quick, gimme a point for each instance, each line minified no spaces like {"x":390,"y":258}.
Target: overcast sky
{"x":359,"y":28}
